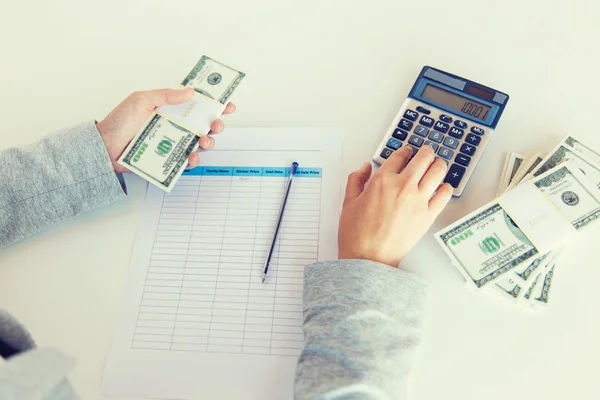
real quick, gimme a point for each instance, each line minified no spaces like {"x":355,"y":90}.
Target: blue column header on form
{"x":253,"y":171}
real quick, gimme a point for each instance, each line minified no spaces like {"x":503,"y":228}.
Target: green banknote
{"x":159,"y":151}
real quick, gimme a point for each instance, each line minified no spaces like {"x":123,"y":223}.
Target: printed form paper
{"x":198,"y":322}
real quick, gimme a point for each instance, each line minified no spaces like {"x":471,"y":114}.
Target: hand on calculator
{"x":385,"y":215}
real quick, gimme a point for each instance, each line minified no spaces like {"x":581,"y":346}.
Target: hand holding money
{"x":122,"y":123}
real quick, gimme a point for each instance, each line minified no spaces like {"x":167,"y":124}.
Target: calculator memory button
{"x":423,"y":110}
{"x":405,"y":124}
{"x":427,"y":121}
{"x":462,"y":159}
{"x":445,"y":153}
{"x":441,"y":127}
{"x":412,"y":115}
{"x":468,"y":149}
{"x":456,"y":132}
{"x":394,"y":144}
{"x":416,"y":140}
{"x":477,"y":130}
{"x":436,"y":136}
{"x":421,"y":131}
{"x":400,"y":134}
{"x":460,"y":124}
{"x":451,"y":142}
{"x":446,"y":118}
{"x":385,"y":153}
{"x":455,"y":174}
{"x":473,"y":139}
{"x":432,"y":144}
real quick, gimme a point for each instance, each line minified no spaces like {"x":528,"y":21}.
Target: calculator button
{"x":457,"y":133}
{"x":472,"y":139}
{"x":455,"y":174}
{"x":427,"y":121}
{"x":441,"y":126}
{"x":436,"y":136}
{"x":405,"y":124}
{"x":412,"y":115}
{"x":468,"y":149}
{"x":400,"y":134}
{"x":462,"y":159}
{"x":394,"y":144}
{"x":432,"y":144}
{"x":446,"y":118}
{"x":416,"y":140}
{"x":423,"y":110}
{"x":421,"y":130}
{"x":451,"y":142}
{"x":460,"y":124}
{"x":386,"y":153}
{"x":477,"y":130}
{"x":445,"y":153}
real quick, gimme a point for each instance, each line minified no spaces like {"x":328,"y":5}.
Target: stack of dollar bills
{"x":494,"y":250}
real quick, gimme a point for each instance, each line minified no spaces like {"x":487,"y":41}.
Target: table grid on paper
{"x":203,"y":289}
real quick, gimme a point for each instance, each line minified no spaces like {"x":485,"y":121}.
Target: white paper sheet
{"x":198,"y":322}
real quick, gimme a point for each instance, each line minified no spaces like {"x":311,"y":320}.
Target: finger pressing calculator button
{"x":441,"y":127}
{"x":455,"y":174}
{"x":400,"y":134}
{"x":436,"y":136}
{"x":414,"y":151}
{"x":445,"y":153}
{"x":467,"y":149}
{"x":405,"y":124}
{"x":423,"y":110}
{"x":446,"y":118}
{"x":394,"y":143}
{"x":460,"y":124}
{"x":412,"y":115}
{"x":451,"y":142}
{"x":416,"y":140}
{"x":432,"y":144}
{"x":456,"y":132}
{"x":477,"y":130}
{"x":472,"y":139}
{"x":421,"y":130}
{"x":462,"y":159}
{"x":427,"y":121}
{"x":386,"y":153}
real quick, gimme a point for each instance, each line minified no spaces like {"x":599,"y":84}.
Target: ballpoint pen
{"x":279,"y":218}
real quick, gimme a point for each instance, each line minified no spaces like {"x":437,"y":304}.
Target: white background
{"x":344,"y":64}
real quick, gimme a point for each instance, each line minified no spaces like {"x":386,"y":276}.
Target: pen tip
{"x":264,"y":279}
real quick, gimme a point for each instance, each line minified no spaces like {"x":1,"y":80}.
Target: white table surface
{"x":315,"y":63}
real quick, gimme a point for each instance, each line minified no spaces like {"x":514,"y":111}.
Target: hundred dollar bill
{"x":525,"y":168}
{"x":511,"y":166}
{"x":541,"y":292}
{"x":159,"y":151}
{"x":487,"y":243}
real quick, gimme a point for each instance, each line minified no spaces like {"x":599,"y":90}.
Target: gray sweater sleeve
{"x":57,"y":178}
{"x":361,"y":324}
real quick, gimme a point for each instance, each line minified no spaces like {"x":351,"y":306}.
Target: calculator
{"x":453,"y":115}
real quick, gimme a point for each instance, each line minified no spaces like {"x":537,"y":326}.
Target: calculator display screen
{"x":456,"y":102}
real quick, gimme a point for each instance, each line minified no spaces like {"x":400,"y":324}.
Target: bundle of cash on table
{"x":510,"y":249}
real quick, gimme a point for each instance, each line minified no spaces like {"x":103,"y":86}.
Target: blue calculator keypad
{"x":416,"y":140}
{"x":473,"y":139}
{"x":446,"y":118}
{"x":455,"y":174}
{"x":411,"y":115}
{"x":456,"y":132}
{"x":427,"y":121}
{"x":460,"y":124}
{"x":400,"y":134}
{"x":432,"y":144}
{"x":441,"y":127}
{"x":445,"y":153}
{"x":451,"y":142}
{"x":467,"y":149}
{"x":423,"y":110}
{"x":421,"y":130}
{"x":394,"y":144}
{"x":385,"y":153}
{"x":477,"y":130}
{"x":436,"y":136}
{"x":405,"y":124}
{"x":462,"y":159}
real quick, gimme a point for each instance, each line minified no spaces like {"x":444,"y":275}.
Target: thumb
{"x":357,"y":181}
{"x":160,"y":97}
